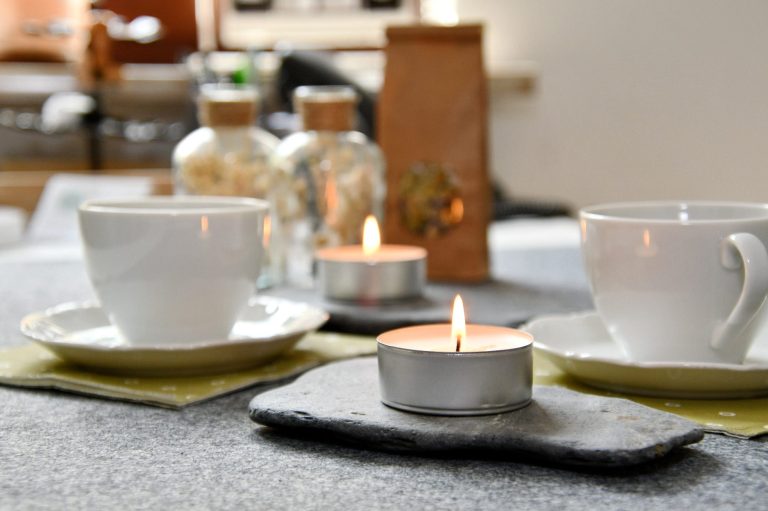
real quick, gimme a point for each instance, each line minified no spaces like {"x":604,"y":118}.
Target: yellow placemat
{"x":742,"y":418}
{"x":34,"y":366}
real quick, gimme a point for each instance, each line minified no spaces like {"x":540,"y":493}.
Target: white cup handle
{"x":743,"y":249}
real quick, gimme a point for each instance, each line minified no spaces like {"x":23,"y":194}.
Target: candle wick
{"x":458,"y":343}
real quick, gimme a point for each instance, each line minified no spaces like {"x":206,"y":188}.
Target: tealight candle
{"x":456,"y":369}
{"x":371,"y":272}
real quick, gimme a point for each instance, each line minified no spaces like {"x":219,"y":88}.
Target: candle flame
{"x":267,"y":234}
{"x":457,"y":210}
{"x":371,"y":236}
{"x":458,"y":326}
{"x":331,"y":202}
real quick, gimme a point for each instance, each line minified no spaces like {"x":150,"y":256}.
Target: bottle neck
{"x":232,"y":138}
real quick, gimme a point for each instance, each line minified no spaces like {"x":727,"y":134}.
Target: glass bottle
{"x":229,"y":155}
{"x":334,"y":177}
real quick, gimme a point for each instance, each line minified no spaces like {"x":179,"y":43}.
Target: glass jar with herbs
{"x":334,"y":177}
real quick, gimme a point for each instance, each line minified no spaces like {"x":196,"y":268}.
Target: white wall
{"x":635,"y":99}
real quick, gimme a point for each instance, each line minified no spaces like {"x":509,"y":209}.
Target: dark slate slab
{"x":341,"y":400}
{"x":495,"y":302}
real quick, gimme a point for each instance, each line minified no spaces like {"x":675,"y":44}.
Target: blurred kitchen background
{"x":590,"y":100}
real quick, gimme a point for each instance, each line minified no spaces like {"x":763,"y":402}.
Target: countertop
{"x":67,"y":451}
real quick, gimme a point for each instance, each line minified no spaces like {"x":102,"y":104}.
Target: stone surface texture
{"x":523,"y":301}
{"x":559,"y":426}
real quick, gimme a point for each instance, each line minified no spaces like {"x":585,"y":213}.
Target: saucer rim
{"x":667,"y":380}
{"x":588,"y":314}
{"x":31,"y":323}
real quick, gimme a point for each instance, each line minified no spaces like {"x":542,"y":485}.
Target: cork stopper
{"x":227,"y":105}
{"x":326,"y":108}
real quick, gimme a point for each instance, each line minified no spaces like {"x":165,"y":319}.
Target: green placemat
{"x":742,"y":418}
{"x":34,"y":366}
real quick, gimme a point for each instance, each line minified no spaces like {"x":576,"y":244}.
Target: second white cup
{"x":678,"y":281}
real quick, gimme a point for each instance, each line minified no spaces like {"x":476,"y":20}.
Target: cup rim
{"x":609,"y":211}
{"x":164,"y":205}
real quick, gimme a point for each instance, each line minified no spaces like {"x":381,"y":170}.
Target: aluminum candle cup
{"x":391,"y":273}
{"x":420,"y":371}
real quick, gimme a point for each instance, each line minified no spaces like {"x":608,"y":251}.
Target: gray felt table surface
{"x":60,"y":451}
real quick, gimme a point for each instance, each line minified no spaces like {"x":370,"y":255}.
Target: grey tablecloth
{"x":60,"y":451}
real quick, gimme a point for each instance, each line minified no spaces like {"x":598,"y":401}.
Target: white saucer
{"x":81,"y":333}
{"x":580,"y":345}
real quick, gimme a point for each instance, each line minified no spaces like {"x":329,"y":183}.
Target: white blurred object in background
{"x":55,"y":217}
{"x":12,"y":221}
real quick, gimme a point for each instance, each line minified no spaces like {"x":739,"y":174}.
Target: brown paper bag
{"x":432,"y":127}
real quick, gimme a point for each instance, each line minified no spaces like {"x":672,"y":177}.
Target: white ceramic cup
{"x":678,"y":281}
{"x":173,"y":270}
